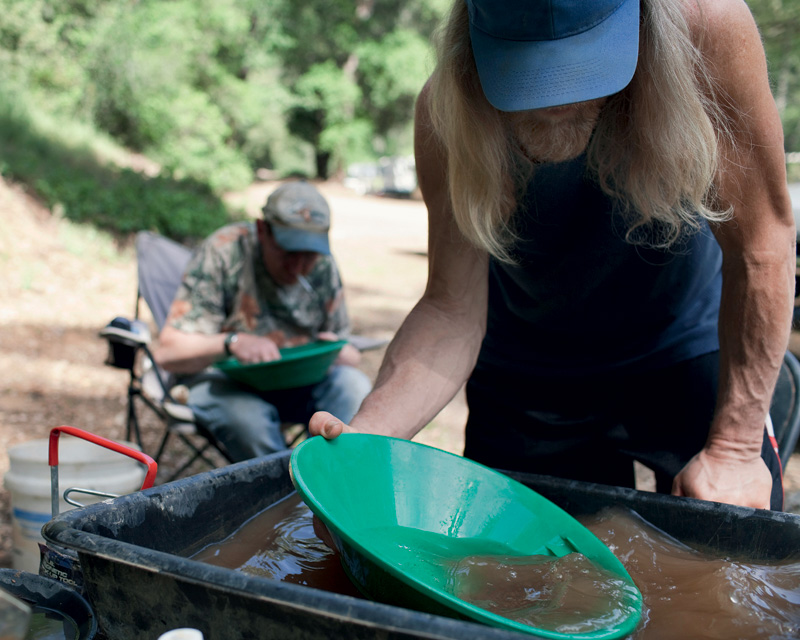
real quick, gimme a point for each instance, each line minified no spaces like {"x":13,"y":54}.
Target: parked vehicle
{"x":391,"y":176}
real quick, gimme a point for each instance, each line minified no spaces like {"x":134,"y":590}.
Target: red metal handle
{"x":152,"y":466}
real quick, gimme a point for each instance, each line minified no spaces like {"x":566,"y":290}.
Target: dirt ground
{"x":61,"y":284}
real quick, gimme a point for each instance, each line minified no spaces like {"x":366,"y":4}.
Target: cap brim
{"x":517,"y":75}
{"x":300,"y":240}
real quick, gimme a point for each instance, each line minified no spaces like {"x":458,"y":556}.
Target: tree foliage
{"x":65,"y":172}
{"x":355,"y":69}
{"x":214,"y":89}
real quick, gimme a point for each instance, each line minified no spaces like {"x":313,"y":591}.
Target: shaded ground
{"x":61,"y":285}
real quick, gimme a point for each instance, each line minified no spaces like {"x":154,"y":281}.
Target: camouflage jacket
{"x":226,"y":287}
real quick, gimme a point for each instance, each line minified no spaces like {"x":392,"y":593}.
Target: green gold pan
{"x":404,"y":516}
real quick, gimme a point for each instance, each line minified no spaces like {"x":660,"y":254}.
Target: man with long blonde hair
{"x":611,"y":246}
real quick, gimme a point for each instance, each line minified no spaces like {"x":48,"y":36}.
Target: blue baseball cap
{"x":533,"y":54}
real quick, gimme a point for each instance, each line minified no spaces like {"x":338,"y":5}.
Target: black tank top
{"x":583,"y":300}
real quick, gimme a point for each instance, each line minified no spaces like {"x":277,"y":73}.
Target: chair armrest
{"x":178,"y":412}
{"x":128,"y":332}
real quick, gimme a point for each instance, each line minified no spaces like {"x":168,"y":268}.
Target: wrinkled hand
{"x":251,"y":349}
{"x":327,"y":425}
{"x":725,"y":478}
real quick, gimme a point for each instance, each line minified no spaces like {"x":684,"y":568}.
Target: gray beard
{"x":555,"y":141}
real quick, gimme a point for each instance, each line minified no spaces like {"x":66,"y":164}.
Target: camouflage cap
{"x":299,"y":217}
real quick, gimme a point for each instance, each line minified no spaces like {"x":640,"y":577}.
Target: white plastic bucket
{"x":81,"y":464}
{"x":185,"y":633}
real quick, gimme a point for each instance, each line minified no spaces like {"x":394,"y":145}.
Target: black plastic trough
{"x":134,"y":553}
{"x":50,"y":595}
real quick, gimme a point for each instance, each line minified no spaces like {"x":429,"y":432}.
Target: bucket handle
{"x":142,"y":457}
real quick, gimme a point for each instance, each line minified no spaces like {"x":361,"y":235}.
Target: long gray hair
{"x":655,"y":147}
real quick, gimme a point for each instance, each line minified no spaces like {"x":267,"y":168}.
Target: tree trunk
{"x":322,"y":159}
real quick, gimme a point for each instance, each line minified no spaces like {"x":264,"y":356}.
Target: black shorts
{"x":593,"y":428}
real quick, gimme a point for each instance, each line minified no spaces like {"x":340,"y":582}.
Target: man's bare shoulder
{"x":728,"y":39}
{"x":718,"y":25}
{"x":714,"y":11}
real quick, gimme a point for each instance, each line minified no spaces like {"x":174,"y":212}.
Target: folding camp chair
{"x":785,"y":409}
{"x":161,"y":263}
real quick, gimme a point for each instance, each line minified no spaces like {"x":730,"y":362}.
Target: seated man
{"x":250,"y":289}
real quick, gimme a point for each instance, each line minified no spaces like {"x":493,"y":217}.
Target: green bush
{"x":70,"y":176}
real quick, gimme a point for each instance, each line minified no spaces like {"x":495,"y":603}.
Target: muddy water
{"x":687,"y":594}
{"x":281,"y":543}
{"x":568,"y":594}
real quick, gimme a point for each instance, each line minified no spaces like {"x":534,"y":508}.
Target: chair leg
{"x":132,"y":423}
{"x":198,"y":453}
{"x":163,"y":445}
{"x":211,"y":442}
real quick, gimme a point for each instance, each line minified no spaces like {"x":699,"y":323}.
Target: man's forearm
{"x":180,"y":352}
{"x":754,"y":326}
{"x":426,"y":364}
